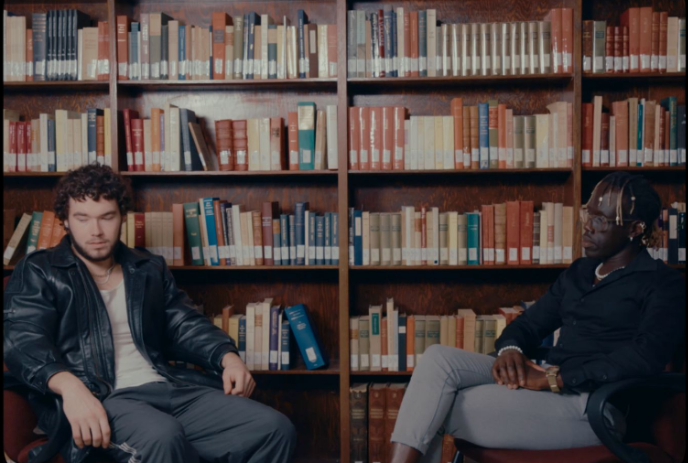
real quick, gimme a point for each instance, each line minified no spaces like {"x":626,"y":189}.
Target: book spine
{"x":285,"y":361}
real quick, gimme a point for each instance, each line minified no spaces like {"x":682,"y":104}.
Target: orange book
{"x":29,"y":53}
{"x":467,"y":143}
{"x":277,"y":158}
{"x":410,"y":342}
{"x":178,"y":234}
{"x":219,"y":232}
{"x":122,"y":47}
{"x":354,"y":138}
{"x":501,"y":134}
{"x":155,"y":138}
{"x":387,"y":136}
{"x":413,"y":51}
{"x":375,"y":137}
{"x":226,"y":314}
{"x":364,"y":129}
{"x":509,"y":138}
{"x":448,"y":449}
{"x":293,"y":128}
{"x":459,"y":331}
{"x":567,"y":40}
{"x":457,"y":113}
{"x":649,"y":134}
{"x":556,"y":40}
{"x":46,"y":233}
{"x":621,"y":120}
{"x":586,"y":143}
{"x":332,"y":50}
{"x":488,"y":234}
{"x":513,"y":226}
{"x":384,"y":351}
{"x":257,"y":224}
{"x":475,"y":139}
{"x":631,"y":19}
{"x":407,"y":43}
{"x":103,"y":51}
{"x":219,"y":22}
{"x":58,"y":232}
{"x":654,"y":58}
{"x":645,"y":38}
{"x":399,"y":134}
{"x":525,"y":232}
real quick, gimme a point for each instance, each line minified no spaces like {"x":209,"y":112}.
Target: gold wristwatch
{"x":551,"y":374}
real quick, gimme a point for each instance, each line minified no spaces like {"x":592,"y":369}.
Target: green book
{"x":306,"y":122}
{"x":493,"y":133}
{"x":34,"y":231}
{"x":489,"y":334}
{"x":478,"y":346}
{"x":193,"y":232}
{"x":364,"y":342}
{"x":432,"y":330}
{"x":419,"y":335}
{"x":671,"y":104}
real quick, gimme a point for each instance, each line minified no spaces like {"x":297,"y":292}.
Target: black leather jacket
{"x":55,"y":320}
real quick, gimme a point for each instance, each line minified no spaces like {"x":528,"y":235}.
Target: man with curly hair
{"x":96,"y":323}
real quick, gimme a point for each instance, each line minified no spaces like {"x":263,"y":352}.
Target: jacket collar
{"x":63,"y":255}
{"x":643,"y":262}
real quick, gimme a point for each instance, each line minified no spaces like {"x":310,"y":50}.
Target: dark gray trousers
{"x":173,"y":423}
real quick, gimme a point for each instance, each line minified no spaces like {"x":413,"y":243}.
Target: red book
{"x":354,"y":138}
{"x":609,"y":50}
{"x":122,"y":47}
{"x":631,"y":19}
{"x":604,"y":140}
{"x":586,"y":145}
{"x":513,"y":227}
{"x":423,"y":236}
{"x":219,"y":230}
{"x":30,"y":162}
{"x":526,"y":232}
{"x":654,"y":47}
{"x":223,"y":143}
{"x":21,"y":146}
{"x":663,"y":28}
{"x":457,"y":112}
{"x":625,"y":54}
{"x":488,"y":234}
{"x":645,"y":38}
{"x":407,"y":43}
{"x":332,"y":50}
{"x":413,"y":51}
{"x":381,"y":41}
{"x":29,"y":54}
{"x":137,"y":144}
{"x":103,"y":68}
{"x":100,"y":137}
{"x":399,"y":135}
{"x":556,"y":39}
{"x":129,"y":114}
{"x":240,"y":144}
{"x":376,"y":423}
{"x":375,"y":137}
{"x":364,"y":129}
{"x":567,"y":40}
{"x":12,"y":162}
{"x":270,"y":211}
{"x":501,"y":134}
{"x":219,"y":20}
{"x":387,"y":134}
{"x":293,"y":129}
{"x":140,"y":229}
{"x":618,"y":49}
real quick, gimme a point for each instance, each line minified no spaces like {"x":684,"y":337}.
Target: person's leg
{"x":231,"y":429}
{"x":494,"y":416}
{"x":142,"y":429}
{"x":442,"y":372}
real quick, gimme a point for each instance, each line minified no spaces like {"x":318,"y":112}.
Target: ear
{"x":65,"y":224}
{"x":637,"y":228}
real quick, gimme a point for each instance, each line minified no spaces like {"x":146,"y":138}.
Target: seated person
{"x":96,"y":322}
{"x":621,"y":313}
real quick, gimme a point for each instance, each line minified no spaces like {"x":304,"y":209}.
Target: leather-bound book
{"x":513,"y":227}
{"x":588,"y":27}
{"x":377,"y":400}
{"x":358,"y":407}
{"x":394,"y":396}
{"x":645,"y":38}
{"x":500,"y":237}
{"x":240,"y":132}
{"x":654,"y":44}
{"x":663,"y":30}
{"x":618,"y":50}
{"x":223,"y":142}
{"x":609,"y":50}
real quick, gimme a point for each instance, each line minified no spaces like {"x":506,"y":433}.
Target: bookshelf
{"x":318,"y":401}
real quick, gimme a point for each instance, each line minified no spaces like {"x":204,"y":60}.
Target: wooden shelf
{"x":33,"y":174}
{"x":219,"y":173}
{"x":627,"y":76}
{"x":242,"y":268}
{"x":70,"y":85}
{"x":681,"y":168}
{"x":431,"y":82}
{"x":300,"y":369}
{"x":365,"y":173}
{"x":262,"y":84}
{"x":381,"y":373}
{"x":358,"y":268}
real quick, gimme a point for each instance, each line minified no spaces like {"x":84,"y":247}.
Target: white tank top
{"x":131,"y":368}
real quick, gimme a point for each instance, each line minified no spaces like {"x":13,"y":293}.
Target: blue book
{"x":335,"y":238}
{"x":358,"y":237}
{"x":253,"y":20}
{"x":300,"y":231}
{"x":484,"y":135}
{"x":210,"y":60}
{"x":276,"y":241}
{"x":422,"y":43}
{"x":209,"y":213}
{"x":272,"y":55}
{"x":402,"y":342}
{"x":309,"y":344}
{"x":133,"y":51}
{"x":284,"y":231}
{"x":301,"y":22}
{"x":292,"y":240}
{"x":191,"y":158}
{"x":182,"y":52}
{"x":306,"y":121}
{"x":245,"y":59}
{"x":275,"y":327}
{"x":351,"y":236}
{"x":387,"y":41}
{"x":242,"y":338}
{"x":34,"y":231}
{"x":92,"y":113}
{"x":473,"y":237}
{"x":285,"y":346}
{"x":225,"y":215}
{"x":393,"y":55}
{"x":319,"y":240}
{"x":311,"y":239}
{"x":52,"y":161}
{"x":641,"y":152}
{"x":328,"y":238}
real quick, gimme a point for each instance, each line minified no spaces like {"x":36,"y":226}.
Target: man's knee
{"x":167,"y":436}
{"x":281,"y":428}
{"x":434,"y":357}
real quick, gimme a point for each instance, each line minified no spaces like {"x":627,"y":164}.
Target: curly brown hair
{"x":92,"y":181}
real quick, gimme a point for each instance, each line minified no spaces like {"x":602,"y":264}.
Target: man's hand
{"x":85,"y":413}
{"x":236,"y":378}
{"x":515,"y":370}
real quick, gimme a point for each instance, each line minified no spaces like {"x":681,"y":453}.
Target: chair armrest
{"x":598,"y":399}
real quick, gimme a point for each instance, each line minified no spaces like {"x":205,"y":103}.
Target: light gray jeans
{"x":452,"y":392}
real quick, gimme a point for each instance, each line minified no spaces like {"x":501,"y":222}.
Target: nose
{"x":96,"y":228}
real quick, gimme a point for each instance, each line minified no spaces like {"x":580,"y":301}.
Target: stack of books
{"x":644,"y":41}
{"x":485,"y":136}
{"x":59,"y":45}
{"x":638,"y":133}
{"x":508,"y":233}
{"x":390,"y":42}
{"x":56,"y":142}
{"x":251,"y":46}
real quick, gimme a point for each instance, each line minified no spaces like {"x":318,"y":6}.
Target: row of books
{"x":216,"y":232}
{"x":59,"y":45}
{"x":637,"y":132}
{"x":251,"y":46}
{"x":258,"y":144}
{"x":672,"y":224}
{"x":56,"y":142}
{"x":485,"y":136}
{"x":644,"y":41}
{"x":508,"y":233}
{"x":38,"y":230}
{"x":262,"y":335}
{"x":390,"y":42}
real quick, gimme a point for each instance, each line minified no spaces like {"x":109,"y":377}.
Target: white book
{"x":84,"y":139}
{"x":448,"y":142}
{"x":265,"y":351}
{"x":236,"y":228}
{"x":332,"y":127}
{"x":429,"y":139}
{"x":431,"y":15}
{"x":264,"y":129}
{"x":407,"y":144}
{"x":250,"y":335}
{"x":412,"y":152}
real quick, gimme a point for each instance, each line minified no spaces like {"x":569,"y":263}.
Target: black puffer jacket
{"x":55,"y":320}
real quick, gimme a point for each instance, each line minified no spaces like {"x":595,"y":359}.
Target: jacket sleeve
{"x":30,"y":319}
{"x":529,"y":329}
{"x":193,"y":338}
{"x":661,"y":329}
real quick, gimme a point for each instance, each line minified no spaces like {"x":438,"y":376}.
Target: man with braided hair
{"x":621,"y":314}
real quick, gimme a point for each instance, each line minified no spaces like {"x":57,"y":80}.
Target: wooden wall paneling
{"x":670,"y":184}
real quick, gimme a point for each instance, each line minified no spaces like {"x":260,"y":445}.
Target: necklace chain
{"x":602,"y":277}
{"x":107,"y":274}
